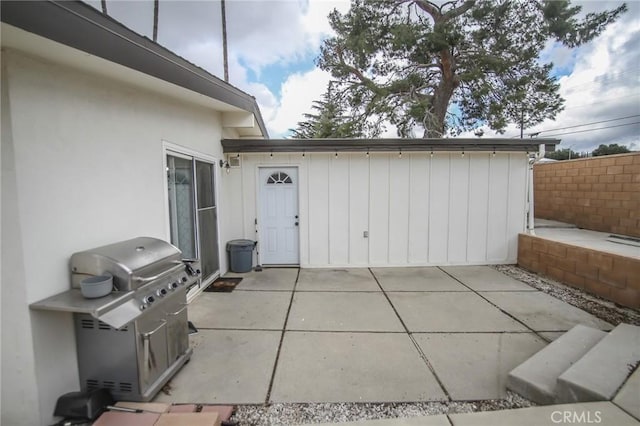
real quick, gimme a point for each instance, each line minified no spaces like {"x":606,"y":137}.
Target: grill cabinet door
{"x":177,"y":331}
{"x":152,"y":347}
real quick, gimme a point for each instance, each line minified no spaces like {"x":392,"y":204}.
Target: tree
{"x":613,"y":148}
{"x":330,"y":121}
{"x":562,"y":154}
{"x":407,"y":61}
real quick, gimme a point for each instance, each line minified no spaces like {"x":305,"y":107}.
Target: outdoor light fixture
{"x":400,"y":154}
{"x":302,"y":154}
{"x":431,"y":152}
{"x":462,"y":153}
{"x":367,"y":152}
{"x":226,"y":166}
{"x":271,"y":155}
{"x":336,"y":154}
{"x":494,"y":151}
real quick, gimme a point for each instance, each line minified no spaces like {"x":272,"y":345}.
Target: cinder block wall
{"x":598,"y":193}
{"x":613,"y":277}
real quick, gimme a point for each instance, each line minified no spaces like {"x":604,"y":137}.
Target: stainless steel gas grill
{"x":135,"y":339}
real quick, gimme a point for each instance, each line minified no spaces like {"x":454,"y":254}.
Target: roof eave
{"x":80,"y":26}
{"x":385,"y":145}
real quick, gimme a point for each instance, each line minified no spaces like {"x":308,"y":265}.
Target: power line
{"x":591,"y":130}
{"x":586,"y":124}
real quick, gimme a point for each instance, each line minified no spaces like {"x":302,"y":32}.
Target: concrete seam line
{"x":415,"y":343}
{"x":498,"y":307}
{"x":284,"y":329}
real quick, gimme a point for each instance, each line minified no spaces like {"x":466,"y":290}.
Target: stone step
{"x":628,"y":398}
{"x":536,"y":378}
{"x":598,"y":375}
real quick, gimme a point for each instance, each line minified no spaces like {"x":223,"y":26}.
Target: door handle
{"x":296,"y":224}
{"x":296,"y":216}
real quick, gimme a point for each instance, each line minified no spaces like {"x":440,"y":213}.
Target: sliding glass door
{"x":193,"y":213}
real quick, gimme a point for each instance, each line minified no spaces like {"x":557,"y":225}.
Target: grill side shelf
{"x":115,"y":309}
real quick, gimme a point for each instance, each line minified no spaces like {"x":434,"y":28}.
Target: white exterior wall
{"x":418,"y":210}
{"x":82,"y":166}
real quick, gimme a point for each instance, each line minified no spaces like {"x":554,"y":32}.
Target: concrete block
{"x":416,"y":279}
{"x":474,"y":366}
{"x":227,"y":367}
{"x":273,"y":279}
{"x":536,"y":378}
{"x":342,"y":311}
{"x":450,"y":312}
{"x":597,"y":413}
{"x":262,"y":310}
{"x":543,"y":312}
{"x":601,"y":371}
{"x":352,"y":367}
{"x":628,"y":398}
{"x":485,"y":278}
{"x":345,"y":279}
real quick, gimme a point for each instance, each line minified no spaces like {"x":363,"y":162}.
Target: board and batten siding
{"x":418,"y":209}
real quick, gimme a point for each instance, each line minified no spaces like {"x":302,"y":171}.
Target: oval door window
{"x":279,"y":177}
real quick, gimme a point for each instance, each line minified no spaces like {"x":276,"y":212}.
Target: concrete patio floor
{"x":366,"y":335}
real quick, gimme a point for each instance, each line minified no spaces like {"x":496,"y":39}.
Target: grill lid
{"x":132,"y":262}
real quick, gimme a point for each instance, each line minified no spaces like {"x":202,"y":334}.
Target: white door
{"x":278,"y":217}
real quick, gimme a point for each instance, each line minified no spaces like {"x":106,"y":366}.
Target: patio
{"x":367,"y":335}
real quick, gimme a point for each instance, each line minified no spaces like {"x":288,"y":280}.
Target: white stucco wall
{"x":82,"y":166}
{"x":418,"y":210}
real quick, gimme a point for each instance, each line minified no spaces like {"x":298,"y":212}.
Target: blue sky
{"x":273,"y":44}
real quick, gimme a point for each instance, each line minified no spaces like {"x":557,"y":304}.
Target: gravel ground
{"x":296,"y":414}
{"x":596,"y":306}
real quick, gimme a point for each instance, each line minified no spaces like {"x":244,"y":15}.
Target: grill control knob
{"x":198,"y":271}
{"x":143,"y":306}
{"x":149,"y":299}
{"x":161,"y":292}
{"x":172,"y":286}
{"x":184,"y":279}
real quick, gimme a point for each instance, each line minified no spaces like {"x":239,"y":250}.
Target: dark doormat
{"x":224,"y":285}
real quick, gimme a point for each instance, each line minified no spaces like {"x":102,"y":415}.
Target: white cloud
{"x":604,"y":84}
{"x":298,"y":93}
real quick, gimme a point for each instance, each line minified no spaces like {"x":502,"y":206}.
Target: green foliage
{"x":610,"y":149}
{"x":329,"y":122}
{"x":562,"y":154}
{"x":407,"y":61}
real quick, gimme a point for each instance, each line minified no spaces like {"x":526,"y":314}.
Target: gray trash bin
{"x":240,"y":255}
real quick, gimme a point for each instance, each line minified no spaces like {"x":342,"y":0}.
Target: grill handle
{"x":146,"y":350}
{"x":179,"y":311}
{"x":171,"y":270}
